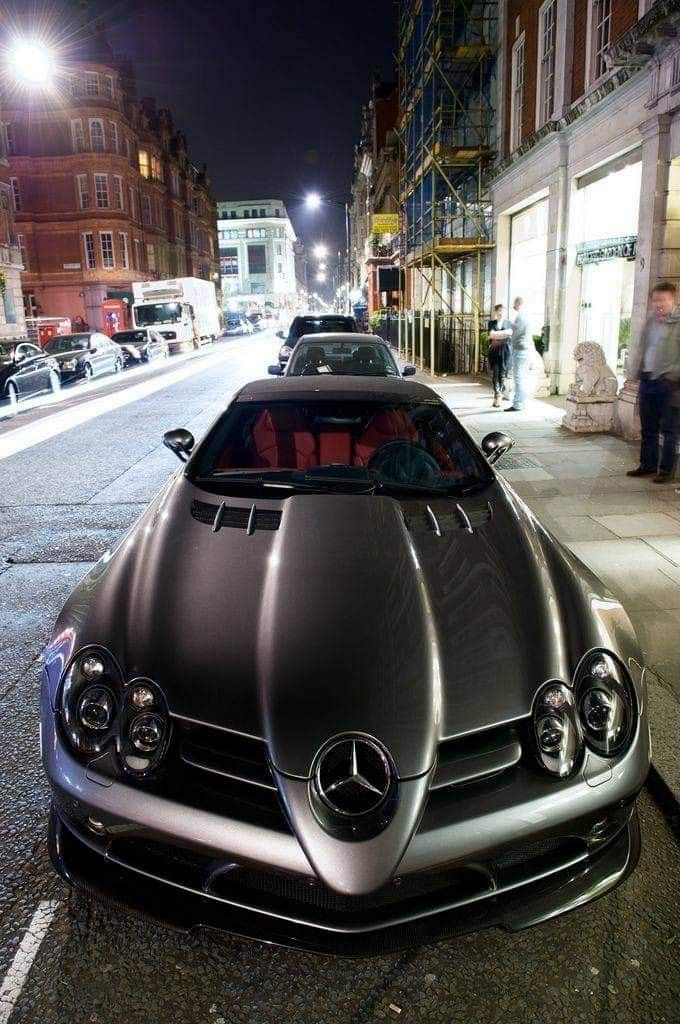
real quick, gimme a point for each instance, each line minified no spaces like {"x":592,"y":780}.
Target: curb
{"x":664,"y":797}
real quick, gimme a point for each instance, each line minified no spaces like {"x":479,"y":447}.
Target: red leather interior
{"x":282,"y":442}
{"x":386,"y":425}
{"x":335,"y":447}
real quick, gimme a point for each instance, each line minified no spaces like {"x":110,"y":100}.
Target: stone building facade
{"x":257,"y":256}
{"x":586,"y":190}
{"x":12,"y":320}
{"x":103,"y":191}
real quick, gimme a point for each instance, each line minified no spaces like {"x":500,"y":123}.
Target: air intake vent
{"x":439,"y":519}
{"x":248,"y":517}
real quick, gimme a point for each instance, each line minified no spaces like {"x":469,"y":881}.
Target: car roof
{"x":322,"y":316}
{"x":319,"y":388}
{"x":340,"y":338}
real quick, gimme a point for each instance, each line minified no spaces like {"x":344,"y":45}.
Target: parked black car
{"x":313,"y":323}
{"x":86,"y":355}
{"x":237,"y":323}
{"x":26,"y":370}
{"x":142,"y":345}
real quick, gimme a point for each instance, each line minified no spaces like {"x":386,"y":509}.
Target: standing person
{"x":498,"y":356}
{"x":655,"y":363}
{"x":520,"y":344}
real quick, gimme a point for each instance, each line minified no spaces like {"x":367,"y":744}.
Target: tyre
{"x":55,"y":382}
{"x":89,"y":372}
{"x":12,"y":396}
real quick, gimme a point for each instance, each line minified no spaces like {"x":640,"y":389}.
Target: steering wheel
{"x":404,"y":462}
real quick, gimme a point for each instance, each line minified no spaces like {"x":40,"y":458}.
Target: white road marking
{"x":15,"y":979}
{"x":17,"y":440}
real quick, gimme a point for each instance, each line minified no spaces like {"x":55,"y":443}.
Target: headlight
{"x":286,"y":350}
{"x":557,"y":736}
{"x":169,"y":335}
{"x":606,"y":703}
{"x":69,"y":364}
{"x":98,"y":710}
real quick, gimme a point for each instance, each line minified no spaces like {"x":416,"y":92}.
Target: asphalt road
{"x":65,"y":494}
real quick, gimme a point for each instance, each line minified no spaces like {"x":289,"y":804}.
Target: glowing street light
{"x":32,"y":62}
{"x":313,"y":201}
{"x":321,"y":277}
{"x":320,"y":251}
{"x":322,"y":266}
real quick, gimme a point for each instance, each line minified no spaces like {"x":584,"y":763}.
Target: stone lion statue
{"x":595,"y":380}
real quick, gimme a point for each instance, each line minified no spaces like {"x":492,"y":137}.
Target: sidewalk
{"x":626,"y":530}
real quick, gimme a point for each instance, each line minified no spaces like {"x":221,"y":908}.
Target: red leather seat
{"x":282,"y":441}
{"x":386,"y":425}
{"x":335,"y":447}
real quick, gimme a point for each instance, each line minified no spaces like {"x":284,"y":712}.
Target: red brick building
{"x":586,"y":187}
{"x":104,"y":192}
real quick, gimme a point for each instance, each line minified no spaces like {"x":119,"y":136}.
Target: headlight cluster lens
{"x":97,"y":710}
{"x":556,"y":729}
{"x":606,"y":704}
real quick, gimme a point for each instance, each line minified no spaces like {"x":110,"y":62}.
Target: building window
{"x":108,"y":87}
{"x":128,"y":152}
{"x":83,"y":191}
{"x":600,"y":34}
{"x":124,"y":259}
{"x":174,"y":182}
{"x":150,"y":256}
{"x":138,"y":254}
{"x":546,"y":66}
{"x":159,"y":213}
{"x":91,"y":83}
{"x":144,"y":164}
{"x":77,"y":136}
{"x":88,"y":241}
{"x":517,"y":95}
{"x":9,"y":139}
{"x":72,"y":85}
{"x":277,"y":212}
{"x":101,"y":191}
{"x":16,"y":194}
{"x":233,"y":214}
{"x":263,"y":213}
{"x":179,"y":226}
{"x":278,"y":247}
{"x":97,"y":138}
{"x":156,"y":167}
{"x":133,"y":208}
{"x":113,"y":133}
{"x":21,"y":242}
{"x":229,"y":262}
{"x":106,"y":244}
{"x":118,"y":192}
{"x":279,"y":268}
{"x":257,"y":259}
{"x":146,"y":210}
{"x":8,"y":303}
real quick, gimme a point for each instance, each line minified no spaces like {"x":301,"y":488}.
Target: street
{"x":75,"y":475}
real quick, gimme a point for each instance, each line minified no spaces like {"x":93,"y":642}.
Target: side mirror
{"x":180,"y":442}
{"x":280,"y":334}
{"x":275,"y":370}
{"x":495,"y":445}
{"x":409,"y":370}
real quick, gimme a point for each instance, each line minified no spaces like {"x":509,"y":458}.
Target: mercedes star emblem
{"x":353,"y":775}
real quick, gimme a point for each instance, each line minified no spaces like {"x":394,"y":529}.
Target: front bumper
{"x":187,"y":891}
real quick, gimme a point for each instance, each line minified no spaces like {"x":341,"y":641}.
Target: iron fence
{"x":450,"y":335}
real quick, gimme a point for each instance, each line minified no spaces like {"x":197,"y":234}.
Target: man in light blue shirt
{"x":520,"y":342}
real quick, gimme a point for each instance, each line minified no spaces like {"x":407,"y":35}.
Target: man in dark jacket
{"x":655,"y":362}
{"x":498,"y":356}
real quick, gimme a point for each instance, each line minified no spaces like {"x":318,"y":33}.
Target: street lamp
{"x":313,"y":201}
{"x":321,"y":276}
{"x":320,"y":251}
{"x":32,"y":62}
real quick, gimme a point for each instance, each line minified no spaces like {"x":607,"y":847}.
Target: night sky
{"x":268,"y":94}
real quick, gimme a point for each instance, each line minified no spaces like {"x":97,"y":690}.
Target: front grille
{"x":235,"y":516}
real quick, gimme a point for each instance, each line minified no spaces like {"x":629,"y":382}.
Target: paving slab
{"x":669,"y":547}
{"x":652,"y":524}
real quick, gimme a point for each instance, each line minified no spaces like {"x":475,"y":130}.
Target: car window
{"x":321,"y":325}
{"x":363,"y":359}
{"x":24,"y":351}
{"x":129,"y":337}
{"x":370,"y":444}
{"x":68,"y":343}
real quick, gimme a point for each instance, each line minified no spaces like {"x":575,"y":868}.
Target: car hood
{"x":352,"y":616}
{"x":76,"y":353}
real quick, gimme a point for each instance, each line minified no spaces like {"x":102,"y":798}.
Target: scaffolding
{"x":447,"y":92}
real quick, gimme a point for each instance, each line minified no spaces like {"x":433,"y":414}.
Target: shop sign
{"x":385,"y":223}
{"x":624,"y":248}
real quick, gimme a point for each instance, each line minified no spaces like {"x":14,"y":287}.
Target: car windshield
{"x":130,"y":337}
{"x":68,"y":343}
{"x":158,"y":313}
{"x":365,"y":446}
{"x":364,"y":359}
{"x":6,"y":353}
{"x":320,"y":325}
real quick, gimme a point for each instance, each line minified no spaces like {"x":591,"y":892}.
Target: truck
{"x":183,"y":310}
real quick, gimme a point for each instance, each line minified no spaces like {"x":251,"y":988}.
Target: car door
{"x":101,"y":354}
{"x":28,"y":375}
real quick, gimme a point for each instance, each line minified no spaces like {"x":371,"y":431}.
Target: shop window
{"x":106,"y":244}
{"x":517,"y":95}
{"x":546,"y":61}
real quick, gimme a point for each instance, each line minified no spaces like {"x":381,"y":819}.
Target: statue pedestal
{"x":627,"y":418}
{"x":589,"y":416}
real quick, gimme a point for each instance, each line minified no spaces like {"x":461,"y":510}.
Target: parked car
{"x":393,"y":707}
{"x":26,"y":370}
{"x":86,"y":355}
{"x":361,"y":355}
{"x":256,"y":321}
{"x":312,"y":323}
{"x":237,"y":323}
{"x":142,"y":345}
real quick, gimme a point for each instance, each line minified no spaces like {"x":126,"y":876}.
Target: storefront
{"x":528,"y":261}
{"x":605,"y":217}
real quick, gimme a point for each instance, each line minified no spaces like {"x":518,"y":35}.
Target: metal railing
{"x":452,"y":337}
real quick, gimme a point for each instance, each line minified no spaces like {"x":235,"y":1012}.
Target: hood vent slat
{"x":247,"y":518}
{"x":446,"y":519}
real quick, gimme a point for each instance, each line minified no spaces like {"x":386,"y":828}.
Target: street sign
{"x":385,"y":223}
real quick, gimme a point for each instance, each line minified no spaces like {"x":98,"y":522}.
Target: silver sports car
{"x":338,"y":688}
